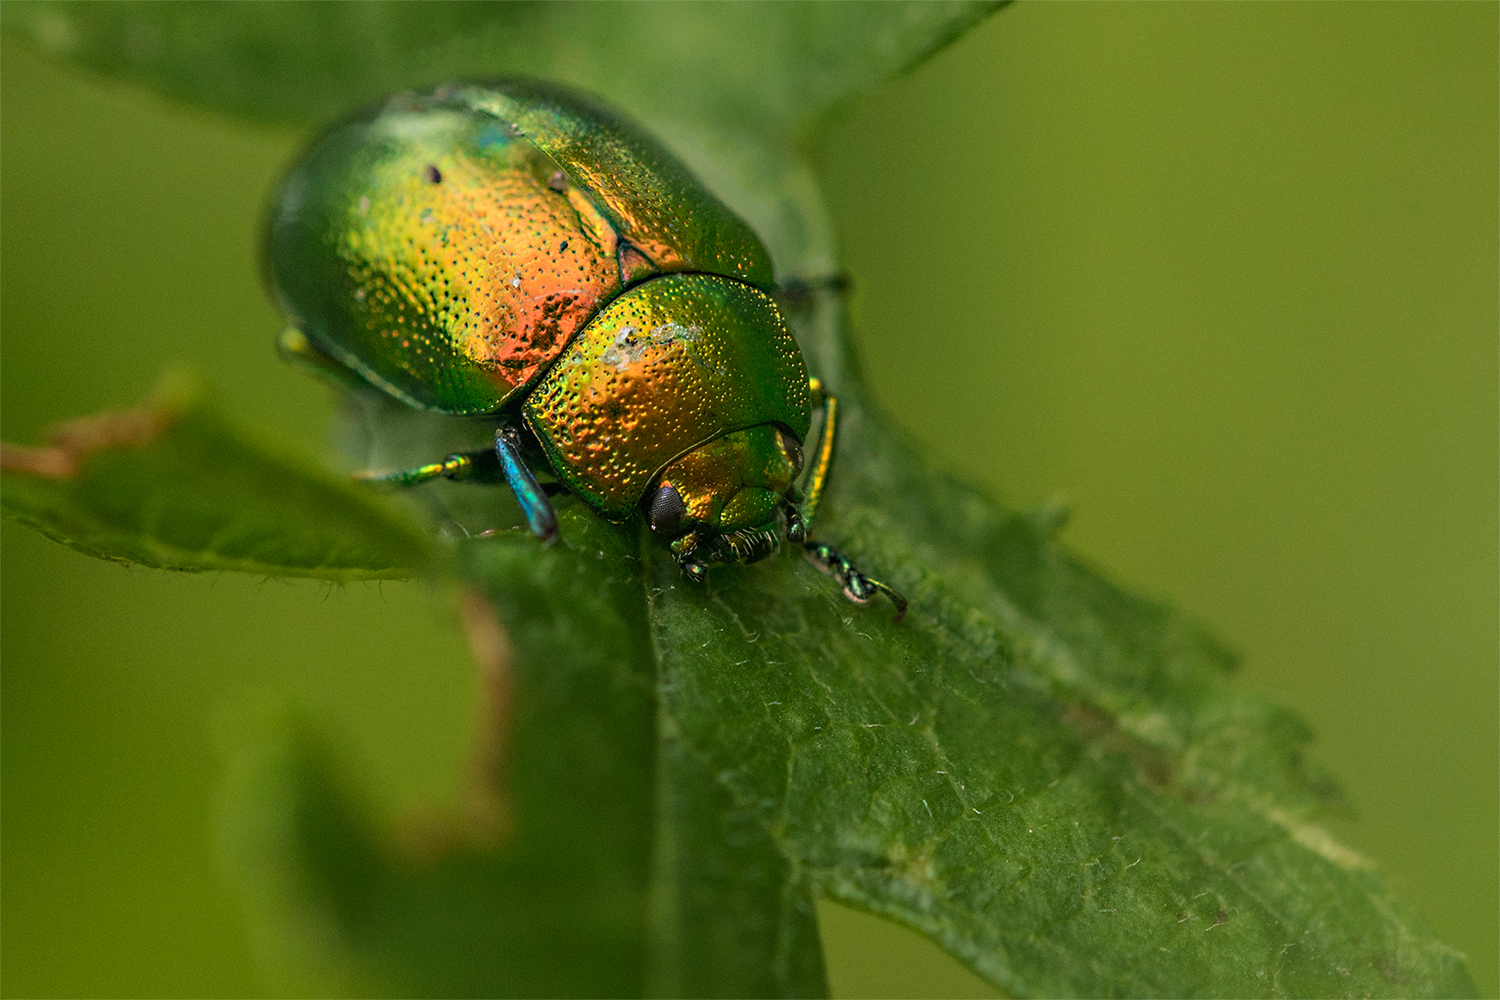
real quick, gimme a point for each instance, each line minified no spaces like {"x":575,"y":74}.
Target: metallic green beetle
{"x":516,"y":250}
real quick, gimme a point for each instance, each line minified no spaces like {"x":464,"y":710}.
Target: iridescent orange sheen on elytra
{"x":516,"y":247}
{"x":466,"y":247}
{"x":448,"y":246}
{"x":652,"y":199}
{"x":673,"y":363}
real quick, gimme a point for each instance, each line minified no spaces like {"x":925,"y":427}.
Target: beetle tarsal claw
{"x":683,"y":550}
{"x":796,"y":528}
{"x":856,"y":598}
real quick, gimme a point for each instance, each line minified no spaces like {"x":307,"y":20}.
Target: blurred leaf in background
{"x":171,"y":485}
{"x":779,"y":225}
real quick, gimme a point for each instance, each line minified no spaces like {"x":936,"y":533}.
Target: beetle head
{"x":727,"y":489}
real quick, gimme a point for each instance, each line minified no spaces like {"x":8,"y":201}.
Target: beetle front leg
{"x":857,"y":587}
{"x":817,"y":476}
{"x":532,"y":498}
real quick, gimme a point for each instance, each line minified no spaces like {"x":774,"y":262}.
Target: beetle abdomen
{"x":671,"y":364}
{"x":651,"y":199}
{"x":427,"y":251}
{"x":439,"y":248}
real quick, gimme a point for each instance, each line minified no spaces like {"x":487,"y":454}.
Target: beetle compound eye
{"x":432,"y":175}
{"x":666,"y":511}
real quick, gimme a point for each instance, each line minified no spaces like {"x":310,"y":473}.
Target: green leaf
{"x":1055,"y":781}
{"x":560,"y":910}
{"x":1052,"y":779}
{"x":764,"y":66}
{"x":172,"y":486}
{"x":603,"y":861}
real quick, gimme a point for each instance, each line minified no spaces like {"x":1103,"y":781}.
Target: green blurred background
{"x":1226,"y":278}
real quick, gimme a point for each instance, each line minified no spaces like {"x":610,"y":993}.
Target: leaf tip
{"x":71,"y":442}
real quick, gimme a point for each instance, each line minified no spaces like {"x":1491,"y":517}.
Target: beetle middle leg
{"x":800,"y":515}
{"x":460,"y":465}
{"x":457,"y":466}
{"x":532,"y":498}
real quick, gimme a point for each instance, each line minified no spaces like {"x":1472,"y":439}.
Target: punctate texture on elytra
{"x":681,"y":354}
{"x":448,"y":246}
{"x":515,"y":247}
{"x":517,"y":252}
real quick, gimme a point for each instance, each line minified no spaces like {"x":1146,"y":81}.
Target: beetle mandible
{"x":517,"y":250}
